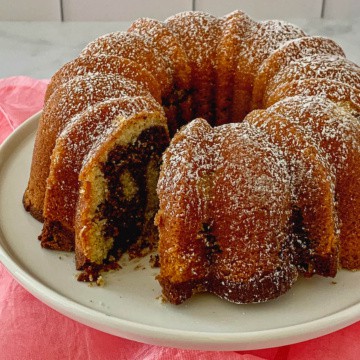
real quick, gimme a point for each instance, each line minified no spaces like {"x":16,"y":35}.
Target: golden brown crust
{"x":284,"y":55}
{"x":340,"y":93}
{"x":216,"y":194}
{"x":266,"y":37}
{"x":218,"y":68}
{"x":168,"y":47}
{"x":337,"y":134}
{"x":198,"y":33}
{"x":315,"y":223}
{"x":322,"y":66}
{"x":237,"y":29}
{"x":69,"y":100}
{"x":104,"y":64}
{"x":134,"y":47}
{"x":35,"y":213}
{"x":71,"y":148}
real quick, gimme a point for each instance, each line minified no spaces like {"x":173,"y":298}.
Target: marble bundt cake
{"x":266,"y":188}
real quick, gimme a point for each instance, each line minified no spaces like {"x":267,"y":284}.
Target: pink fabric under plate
{"x":30,"y":329}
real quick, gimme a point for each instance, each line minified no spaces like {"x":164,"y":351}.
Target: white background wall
{"x":125,"y":10}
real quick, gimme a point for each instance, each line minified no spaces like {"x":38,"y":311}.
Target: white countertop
{"x":38,"y":49}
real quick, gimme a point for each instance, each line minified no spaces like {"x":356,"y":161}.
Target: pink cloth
{"x":31,"y":330}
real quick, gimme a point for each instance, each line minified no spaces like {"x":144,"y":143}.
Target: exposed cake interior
{"x":123,"y":187}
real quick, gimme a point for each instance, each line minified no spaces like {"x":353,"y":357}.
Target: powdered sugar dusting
{"x":104,"y":64}
{"x":167,"y":46}
{"x":198,"y":33}
{"x":331,"y":67}
{"x":216,"y":184}
{"x":338,"y":134}
{"x":313,"y":191}
{"x":70,"y":99}
{"x":74,"y":147}
{"x":334,"y":129}
{"x":269,"y":35}
{"x":83,"y":91}
{"x":134,"y":47}
{"x":285,"y":54}
{"x":338,"y":92}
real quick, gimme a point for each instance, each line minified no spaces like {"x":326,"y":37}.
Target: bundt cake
{"x":263,"y":186}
